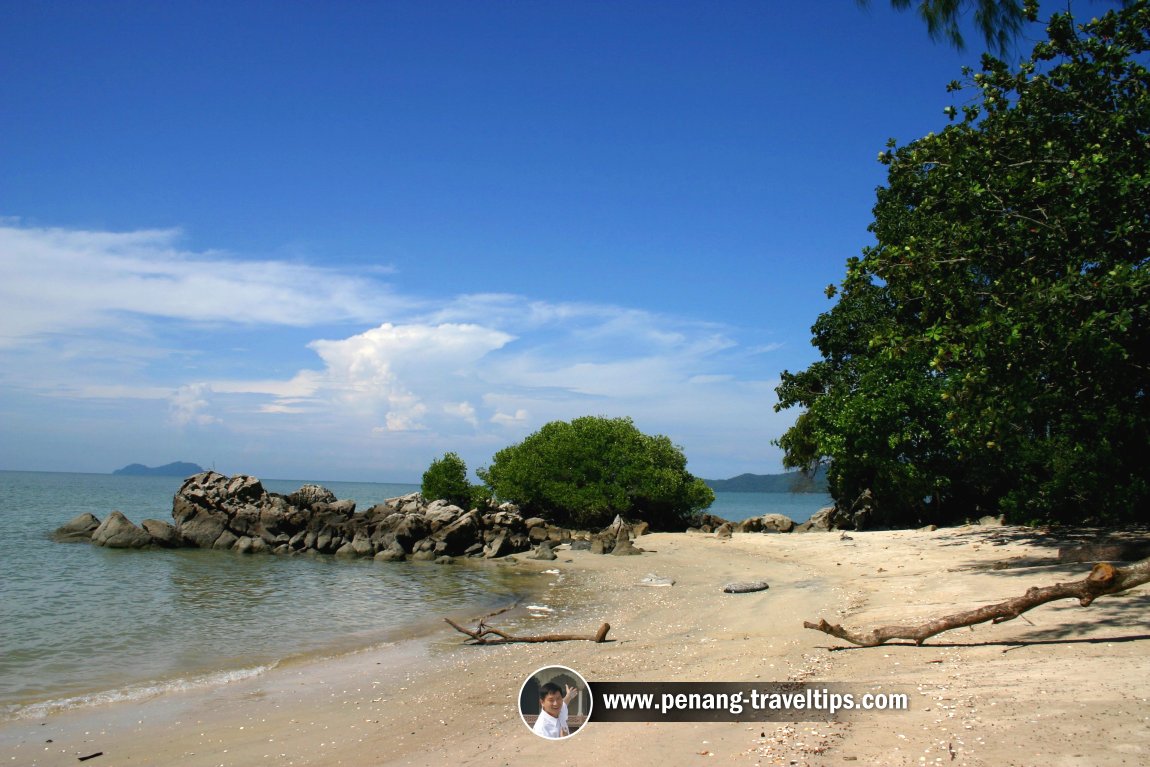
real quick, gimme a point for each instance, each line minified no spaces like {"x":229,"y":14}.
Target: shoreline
{"x":1067,"y":685}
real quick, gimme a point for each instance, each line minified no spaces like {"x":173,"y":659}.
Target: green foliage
{"x":999,"y":21}
{"x":990,"y":352}
{"x":586,"y":471}
{"x":446,"y":479}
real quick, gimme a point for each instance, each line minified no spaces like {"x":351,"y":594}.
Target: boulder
{"x":543,"y":551}
{"x":499,"y":547}
{"x":77,"y":529}
{"x":751,"y":525}
{"x":460,"y":534}
{"x":309,"y":495}
{"x":779,"y":523}
{"x":393,"y":553}
{"x":162,"y":533}
{"x":410,"y":529}
{"x":227,"y":540}
{"x":118,"y":532}
{"x":203,"y":527}
{"x":724,"y":530}
{"x":623,"y":546}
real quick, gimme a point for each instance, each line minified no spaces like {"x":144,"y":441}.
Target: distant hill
{"x":177,"y":469}
{"x":790,"y":482}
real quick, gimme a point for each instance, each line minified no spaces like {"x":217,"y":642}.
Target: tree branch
{"x":482,"y":635}
{"x":1104,"y":579}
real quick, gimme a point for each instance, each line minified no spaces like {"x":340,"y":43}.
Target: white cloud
{"x":396,"y":370}
{"x":189,"y":405}
{"x":130,"y":316}
{"x":59,"y":280}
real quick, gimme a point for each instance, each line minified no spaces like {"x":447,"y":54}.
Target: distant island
{"x":789,"y":482}
{"x":176,"y":469}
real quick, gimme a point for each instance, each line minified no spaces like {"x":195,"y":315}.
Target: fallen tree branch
{"x":1104,"y":579}
{"x":482,"y":634}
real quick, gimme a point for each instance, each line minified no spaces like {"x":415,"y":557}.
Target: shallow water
{"x":81,"y":624}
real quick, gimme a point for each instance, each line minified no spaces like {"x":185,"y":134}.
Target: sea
{"x":82,"y":625}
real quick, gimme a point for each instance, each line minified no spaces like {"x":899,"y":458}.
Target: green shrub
{"x":446,"y":479}
{"x":585,"y":472}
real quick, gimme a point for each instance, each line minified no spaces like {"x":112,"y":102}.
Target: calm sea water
{"x":81,"y":624}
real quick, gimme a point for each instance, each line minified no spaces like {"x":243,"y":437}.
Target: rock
{"x":410,"y":529}
{"x":347,"y":550}
{"x":752,"y":525}
{"x":118,"y":532}
{"x":244,"y":488}
{"x":203,"y":527}
{"x":989,"y":521}
{"x":625,"y":549}
{"x":441,"y":513}
{"x":537,"y":533}
{"x":423,"y":556}
{"x":928,"y":529}
{"x":724,"y":530}
{"x":779,"y":523}
{"x":745,"y":587}
{"x":822,"y":520}
{"x":309,"y":495}
{"x":535,"y":522}
{"x":650,"y":579}
{"x":543,"y":551}
{"x":77,"y":529}
{"x":162,"y":533}
{"x":393,"y":553}
{"x":226,"y":540}
{"x":444,"y":560}
{"x":499,"y":547}
{"x":460,"y":534}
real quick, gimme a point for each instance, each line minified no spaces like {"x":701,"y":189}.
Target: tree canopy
{"x":446,"y":479}
{"x":999,"y":21}
{"x":586,"y":471}
{"x":990,"y":351}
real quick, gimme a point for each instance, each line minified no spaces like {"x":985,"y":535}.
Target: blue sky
{"x":335,"y":240}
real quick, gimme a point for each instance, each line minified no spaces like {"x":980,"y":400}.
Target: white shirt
{"x":552,"y":727}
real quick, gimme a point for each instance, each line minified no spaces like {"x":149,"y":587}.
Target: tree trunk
{"x":1104,"y":579}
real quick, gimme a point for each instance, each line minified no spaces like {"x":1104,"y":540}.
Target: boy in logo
{"x":552,"y":721}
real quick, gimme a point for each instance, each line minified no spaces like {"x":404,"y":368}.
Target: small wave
{"x":133,"y":693}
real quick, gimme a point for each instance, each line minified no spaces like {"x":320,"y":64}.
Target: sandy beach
{"x":1062,"y":685}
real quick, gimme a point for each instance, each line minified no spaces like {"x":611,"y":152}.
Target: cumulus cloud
{"x":480,"y":369}
{"x":189,"y":405}
{"x":395,"y":372}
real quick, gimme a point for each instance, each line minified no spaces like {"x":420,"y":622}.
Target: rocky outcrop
{"x":214,"y":511}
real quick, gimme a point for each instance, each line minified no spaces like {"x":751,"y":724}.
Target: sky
{"x":336,"y":240}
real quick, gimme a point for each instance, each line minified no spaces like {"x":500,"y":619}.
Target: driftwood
{"x":482,"y":634}
{"x":1104,"y":579}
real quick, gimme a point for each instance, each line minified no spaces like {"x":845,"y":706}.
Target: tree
{"x":999,"y":21}
{"x":586,"y":471}
{"x":991,"y":351}
{"x":446,"y":479}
